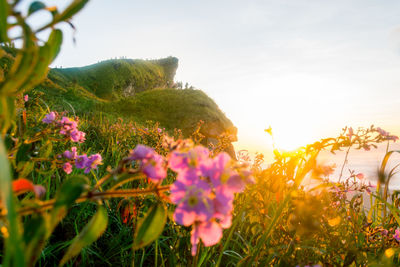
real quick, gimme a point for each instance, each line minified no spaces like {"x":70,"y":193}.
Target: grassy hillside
{"x":132,"y":89}
{"x":118,"y":77}
{"x":177,"y":109}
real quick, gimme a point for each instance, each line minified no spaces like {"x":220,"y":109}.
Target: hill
{"x":118,"y":77}
{"x":133,"y":89}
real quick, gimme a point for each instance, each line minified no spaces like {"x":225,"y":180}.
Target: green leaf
{"x":54,"y":42}
{"x":90,"y":233}
{"x":24,"y":63}
{"x":66,"y":196}
{"x":47,"y":54}
{"x":35,"y":233}
{"x":36,"y":6}
{"x":4,"y":9}
{"x":66,"y":15}
{"x":71,"y":10}
{"x":151,"y":226}
{"x":7,"y":113}
{"x":14,"y":246}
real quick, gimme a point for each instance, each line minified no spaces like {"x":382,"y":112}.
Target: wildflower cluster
{"x":204,"y":192}
{"x":66,"y":126}
{"x":69,"y":128}
{"x":81,"y":161}
{"x":151,"y":164}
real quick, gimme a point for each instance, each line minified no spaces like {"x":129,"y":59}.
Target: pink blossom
{"x":49,"y":118}
{"x":194,"y":202}
{"x":77,"y":136}
{"x":360,"y":176}
{"x":151,"y":164}
{"x":92,"y":162}
{"x":154,"y":168}
{"x":26,"y":98}
{"x":141,"y":152}
{"x":350,"y":133}
{"x":70,"y":154}
{"x":81,"y":161}
{"x":67,"y":125}
{"x":209,"y":232}
{"x":67,"y":167}
{"x":181,"y":161}
{"x":397,"y":235}
{"x":204,"y":192}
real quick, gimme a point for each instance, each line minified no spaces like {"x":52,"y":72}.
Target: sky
{"x":307,"y":68}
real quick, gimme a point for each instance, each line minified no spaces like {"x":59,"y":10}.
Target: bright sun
{"x":292,"y":136}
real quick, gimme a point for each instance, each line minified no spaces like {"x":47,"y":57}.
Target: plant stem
{"x":344,"y":163}
{"x":45,"y":205}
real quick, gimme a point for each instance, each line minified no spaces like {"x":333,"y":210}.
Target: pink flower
{"x":360,"y":176}
{"x":194,"y":202}
{"x":350,"y":133}
{"x":150,"y":163}
{"x":26,"y":98}
{"x":92,"y":162}
{"x":49,"y":118}
{"x":67,"y":125}
{"x":397,"y":235}
{"x":382,"y":132}
{"x":81,"y":161}
{"x":141,"y":152}
{"x":77,"y":136}
{"x":209,"y":232}
{"x":67,"y":167}
{"x":204,"y":192}
{"x":154,"y":168}
{"x":70,"y":154}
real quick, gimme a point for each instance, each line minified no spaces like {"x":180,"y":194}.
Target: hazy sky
{"x":305,"y":67}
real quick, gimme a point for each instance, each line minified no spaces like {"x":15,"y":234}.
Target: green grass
{"x":118,"y":77}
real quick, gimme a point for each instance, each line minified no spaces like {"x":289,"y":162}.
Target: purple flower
{"x":151,"y":164}
{"x":194,"y":202}
{"x":92,"y":162}
{"x":154,"y":168}
{"x":49,"y":118}
{"x":70,"y":154}
{"x":182,"y":161}
{"x":80,"y":161}
{"x":67,"y":125}
{"x":204,"y":192}
{"x":67,"y":167}
{"x":141,"y":152}
{"x":397,"y":235}
{"x":77,"y":136}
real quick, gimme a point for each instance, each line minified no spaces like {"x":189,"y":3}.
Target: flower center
{"x":192,"y":201}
